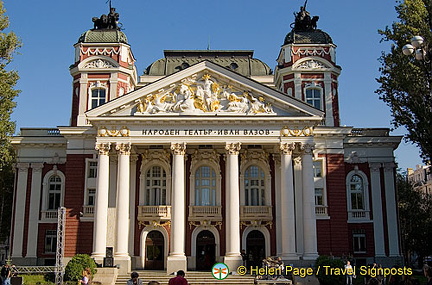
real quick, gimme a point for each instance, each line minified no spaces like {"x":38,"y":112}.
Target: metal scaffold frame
{"x":61,"y":223}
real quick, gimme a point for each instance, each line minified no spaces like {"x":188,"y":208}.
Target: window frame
{"x":46,"y":189}
{"x":357,"y":214}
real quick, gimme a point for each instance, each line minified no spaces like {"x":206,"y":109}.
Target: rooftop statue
{"x":303,"y":21}
{"x":107,"y":22}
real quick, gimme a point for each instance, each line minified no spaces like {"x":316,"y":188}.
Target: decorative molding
{"x":256,"y":224}
{"x":233,"y":148}
{"x":154,"y":224}
{"x":178,"y":148}
{"x":103,"y":148}
{"x":287,"y":148}
{"x":296,"y":132}
{"x":113,"y":132}
{"x":254,"y":155}
{"x":354,"y":158}
{"x":202,"y":155}
{"x":199,"y":95}
{"x":99,"y":51}
{"x":311,"y":64}
{"x":205,"y":224}
{"x":162,"y":155}
{"x":124,"y":148}
{"x":99,"y":63}
{"x":97,"y":84}
{"x":307,"y":148}
{"x":297,"y":160}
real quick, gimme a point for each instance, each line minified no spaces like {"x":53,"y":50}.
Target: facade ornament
{"x":124,"y":148}
{"x":311,"y":64}
{"x":154,"y":224}
{"x":99,"y":51}
{"x":205,"y":155}
{"x":178,"y":148}
{"x":307,"y":148}
{"x":303,"y":21}
{"x":233,"y":148}
{"x":103,"y":148}
{"x":206,"y":224}
{"x":200,"y":95}
{"x":162,"y":155}
{"x":375,"y":166}
{"x":254,"y":155}
{"x":296,"y":132}
{"x":256,"y":224}
{"x":99,"y":63}
{"x":107,"y":22}
{"x":277,"y":158}
{"x":37,"y":167}
{"x":354,"y":158}
{"x":97,"y":84}
{"x":113,"y":132}
{"x":287,"y":148}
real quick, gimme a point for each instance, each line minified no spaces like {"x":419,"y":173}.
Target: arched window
{"x":98,"y":97}
{"x":205,"y":186}
{"x":155,"y":187}
{"x":54,"y":192}
{"x":254,"y":186}
{"x":356,"y":189}
{"x":357,"y":195}
{"x":313,"y":97}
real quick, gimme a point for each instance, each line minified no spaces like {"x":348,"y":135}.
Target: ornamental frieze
{"x":99,"y":64}
{"x":204,"y":95}
{"x":296,"y":132}
{"x":113,"y":132}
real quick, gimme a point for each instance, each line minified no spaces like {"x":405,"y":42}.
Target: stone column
{"x":132,"y":208}
{"x":36,"y":185}
{"x":177,"y":258}
{"x":309,"y":218}
{"x":121,"y":254}
{"x":288,"y":225}
{"x":392,"y":221}
{"x":232,"y":256}
{"x":378,"y":223}
{"x":101,"y":205}
{"x":298,"y":190}
{"x":20,"y":199}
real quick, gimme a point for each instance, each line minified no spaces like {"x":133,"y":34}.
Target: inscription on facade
{"x":209,"y":132}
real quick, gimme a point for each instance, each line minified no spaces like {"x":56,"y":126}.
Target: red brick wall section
{"x":335,"y":230}
{"x":79,"y":235}
{"x":41,"y":240}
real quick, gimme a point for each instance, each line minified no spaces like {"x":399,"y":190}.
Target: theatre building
{"x":207,"y":153}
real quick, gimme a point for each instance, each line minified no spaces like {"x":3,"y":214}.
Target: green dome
{"x":308,"y":37}
{"x":103,"y":36}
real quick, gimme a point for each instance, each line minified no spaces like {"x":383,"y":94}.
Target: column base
{"x":233,"y":262}
{"x":289,"y":256}
{"x":310,"y":256}
{"x":176,"y":263}
{"x":123,"y":263}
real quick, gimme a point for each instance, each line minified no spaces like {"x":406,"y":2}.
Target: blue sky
{"x":49,"y":29}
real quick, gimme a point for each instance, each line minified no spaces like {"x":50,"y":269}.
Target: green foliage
{"x":329,"y":279}
{"x":415,"y":214}
{"x":406,"y":83}
{"x":76,"y":266}
{"x":9,"y":42}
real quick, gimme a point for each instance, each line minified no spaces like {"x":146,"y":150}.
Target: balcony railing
{"x":210,"y":213}
{"x":49,"y":215}
{"x":358,"y":215}
{"x":154,"y":213}
{"x":321,"y":211}
{"x":263,"y":213}
{"x":88,"y":211}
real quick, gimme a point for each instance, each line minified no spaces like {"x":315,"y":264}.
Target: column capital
{"x":103,"y":148}
{"x":375,"y":166}
{"x":124,"y":148}
{"x":178,"y":148}
{"x":22,"y":166}
{"x":389,"y":166}
{"x":37,"y":166}
{"x":233,"y":148}
{"x":307,"y":148}
{"x":286,"y":148}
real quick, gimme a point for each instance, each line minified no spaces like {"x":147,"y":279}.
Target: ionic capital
{"x":124,"y":148}
{"x":103,"y":148}
{"x":233,"y":148}
{"x":178,"y":148}
{"x":287,"y":148}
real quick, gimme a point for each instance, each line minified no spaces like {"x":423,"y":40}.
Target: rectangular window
{"x":319,"y":198}
{"x":91,"y":199}
{"x":317,"y":168}
{"x":50,"y":241}
{"x":313,"y":97}
{"x":92,"y":169}
{"x":359,"y":242}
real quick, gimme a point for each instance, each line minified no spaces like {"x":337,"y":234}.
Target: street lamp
{"x":417,"y":47}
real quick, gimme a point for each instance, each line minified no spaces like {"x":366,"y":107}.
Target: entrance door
{"x":205,"y":250}
{"x":255,"y":248}
{"x":154,"y":251}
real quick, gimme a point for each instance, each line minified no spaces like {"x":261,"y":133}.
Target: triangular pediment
{"x":207,"y":90}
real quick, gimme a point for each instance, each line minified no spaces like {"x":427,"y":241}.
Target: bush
{"x":323,"y":276}
{"x":76,"y":266}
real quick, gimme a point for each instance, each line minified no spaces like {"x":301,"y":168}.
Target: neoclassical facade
{"x":204,"y":155}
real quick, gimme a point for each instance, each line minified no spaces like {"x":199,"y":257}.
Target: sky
{"x":50,"y":28}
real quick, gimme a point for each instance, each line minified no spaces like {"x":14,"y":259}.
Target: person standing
{"x":134,"y":279}
{"x":349,"y":273}
{"x":5,"y":274}
{"x":179,"y":279}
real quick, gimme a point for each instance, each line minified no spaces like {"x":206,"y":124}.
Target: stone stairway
{"x":193,"y":277}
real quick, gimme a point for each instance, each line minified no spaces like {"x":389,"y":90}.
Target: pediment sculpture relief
{"x":202,"y":96}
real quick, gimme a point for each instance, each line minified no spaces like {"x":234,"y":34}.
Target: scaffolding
{"x":59,"y":267}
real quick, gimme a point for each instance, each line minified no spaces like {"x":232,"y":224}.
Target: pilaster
{"x":378,"y":223}
{"x":21,"y":191}
{"x":390,"y":198}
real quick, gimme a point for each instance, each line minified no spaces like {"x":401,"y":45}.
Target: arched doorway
{"x":205,"y":250}
{"x":255,"y":248}
{"x":154,"y":251}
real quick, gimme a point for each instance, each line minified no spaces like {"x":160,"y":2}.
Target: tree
{"x":9,"y":42}
{"x":406,"y":83}
{"x":415,"y":214}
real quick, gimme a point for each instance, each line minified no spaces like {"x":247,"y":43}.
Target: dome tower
{"x":104,"y":67}
{"x":307,"y":68}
